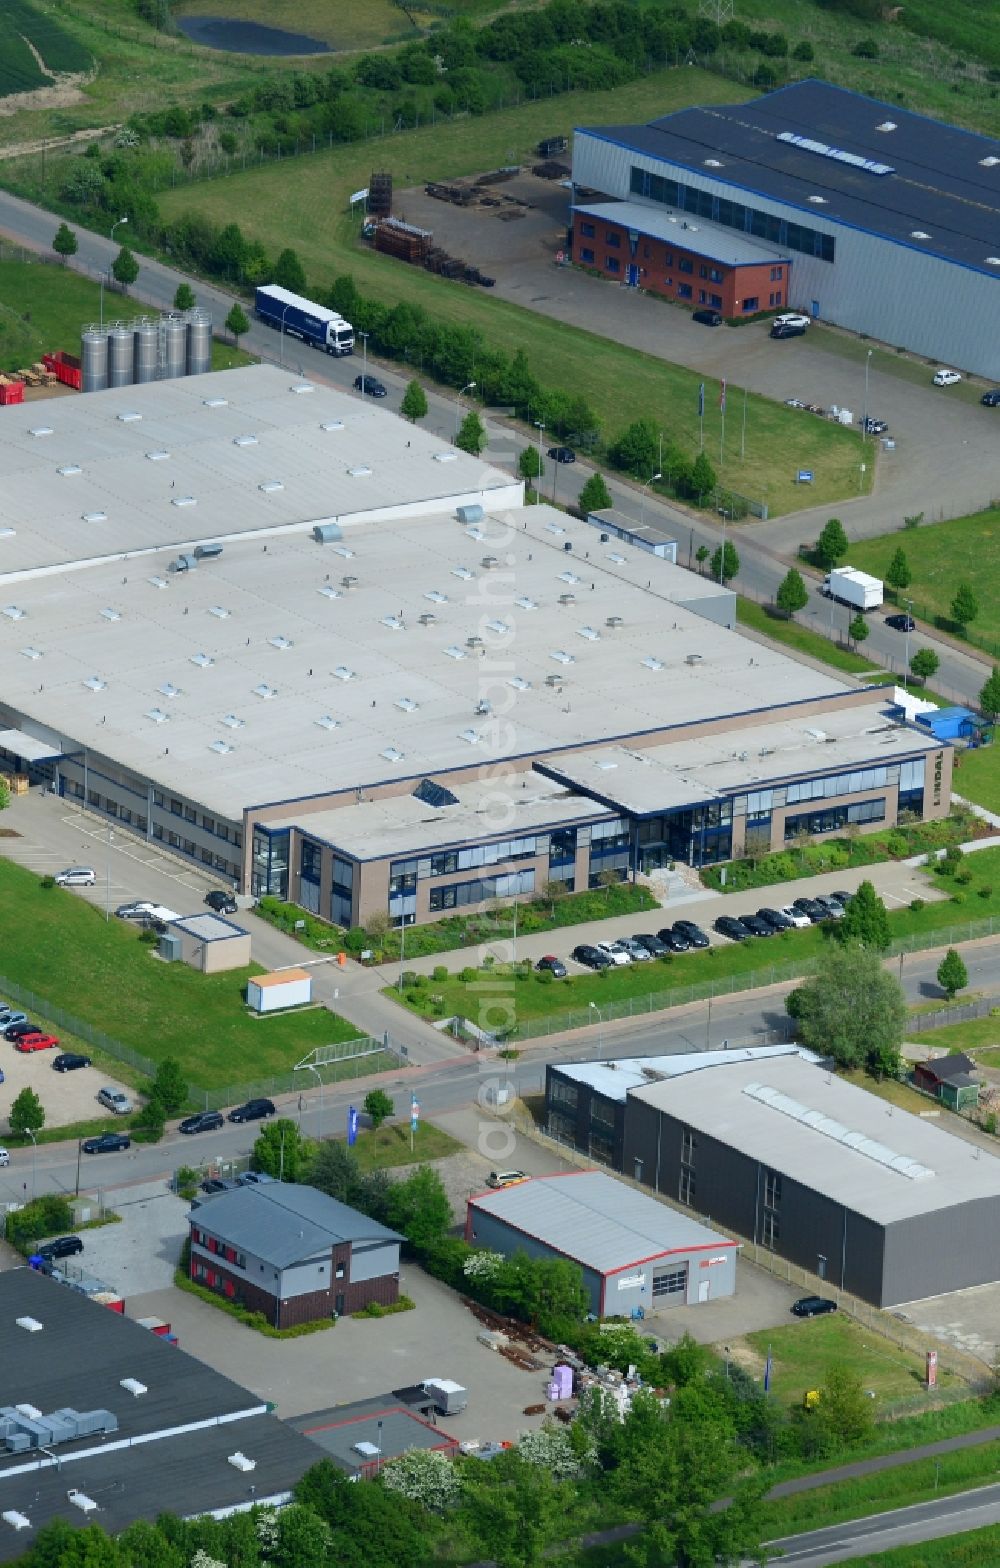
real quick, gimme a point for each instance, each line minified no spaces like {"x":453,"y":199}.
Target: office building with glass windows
{"x":388,"y":687}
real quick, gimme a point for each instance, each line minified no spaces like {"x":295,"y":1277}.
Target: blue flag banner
{"x":768,"y":1369}
{"x":701,"y":401}
{"x":352,"y":1126}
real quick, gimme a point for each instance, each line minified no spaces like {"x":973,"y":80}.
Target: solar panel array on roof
{"x":434,"y":794}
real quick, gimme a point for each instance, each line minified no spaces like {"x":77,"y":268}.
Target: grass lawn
{"x":302,"y":202}
{"x":61,"y":948}
{"x":972,"y":1549}
{"x":802,"y":1354}
{"x":981,"y":1035}
{"x":801,"y":639}
{"x":941,"y":555}
{"x":977,"y":776}
{"x":390,"y":1146}
{"x":888,"y":1089}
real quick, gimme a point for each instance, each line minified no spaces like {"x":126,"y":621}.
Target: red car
{"x":36,"y":1042}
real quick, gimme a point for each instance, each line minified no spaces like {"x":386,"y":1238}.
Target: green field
{"x":977,"y":776}
{"x":61,"y":948}
{"x":803,"y":1352}
{"x":302,"y":203}
{"x":364,"y":24}
{"x":940,"y":556}
{"x":801,"y":639}
{"x":390,"y":1146}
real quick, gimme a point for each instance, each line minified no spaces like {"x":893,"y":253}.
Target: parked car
{"x":832,"y":905}
{"x":901,"y":623}
{"x":655,"y":945}
{"x":14,"y":1031}
{"x":202,"y":1121}
{"x":370,"y":386}
{"x":813,"y":1306}
{"x":991,"y":399}
{"x":792,"y":318}
{"x":76,"y":876}
{"x":222,"y":902}
{"x":842,"y":898}
{"x":812,"y":909}
{"x":253,"y":1111}
{"x":115,"y":1100}
{"x":253,"y":1178}
{"x":756,"y":926}
{"x":946,"y":378}
{"x":614,"y":951}
{"x":795,"y":916}
{"x":636,"y":950}
{"x":775,"y":918}
{"x":673,"y":940}
{"x":133,"y":911}
{"x":61,"y":1247}
{"x":505,"y":1178}
{"x":35,"y":1041}
{"x":107,"y":1143}
{"x":554,"y":965}
{"x":707,"y":318}
{"x":219,"y":1184}
{"x":562,"y":454}
{"x":735,"y":930}
{"x":4,"y":1156}
{"x":694,"y":934}
{"x":69,"y":1061}
{"x":786,"y":329}
{"x":872,"y":426}
{"x":10,"y":1019}
{"x":590,"y":956}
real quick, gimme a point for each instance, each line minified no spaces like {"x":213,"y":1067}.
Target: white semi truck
{"x":849,"y":586}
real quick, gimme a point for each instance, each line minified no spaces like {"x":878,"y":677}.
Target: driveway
{"x":968,"y":1319}
{"x":139,"y":1254}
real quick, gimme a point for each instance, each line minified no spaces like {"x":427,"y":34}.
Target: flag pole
{"x":743,"y":437}
{"x":722,"y":411}
{"x":701,"y":418}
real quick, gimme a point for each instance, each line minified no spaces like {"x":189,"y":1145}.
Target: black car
{"x":253,"y":1111}
{"x":253,"y":1179}
{"x":842,"y":898}
{"x":991,"y":399}
{"x":223,"y":903}
{"x":555,"y":966}
{"x":69,"y":1061}
{"x":219,"y":1184}
{"x":811,"y":909}
{"x":728,"y":925}
{"x":901,"y":623}
{"x":15,"y":1031}
{"x":204,"y":1121}
{"x":813,"y":1306}
{"x":775,"y":919}
{"x":591,"y":957}
{"x":370,"y":386}
{"x":707,"y":318}
{"x":674,"y":941}
{"x":787,"y":329}
{"x":562,"y":454}
{"x":62,"y":1247}
{"x":756,"y":926}
{"x":693,"y":934}
{"x":107,"y":1143}
{"x":655,"y":945}
{"x":873,"y":427}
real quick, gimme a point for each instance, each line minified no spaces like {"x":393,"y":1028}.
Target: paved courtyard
{"x":968,"y":1319}
{"x":139,"y":1254}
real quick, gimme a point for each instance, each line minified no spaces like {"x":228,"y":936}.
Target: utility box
{"x":287,"y":988}
{"x":473,"y":513}
{"x":183,"y":563}
{"x":327,"y":533}
{"x":169,"y":948}
{"x":207,"y":552}
{"x":450,"y":1399}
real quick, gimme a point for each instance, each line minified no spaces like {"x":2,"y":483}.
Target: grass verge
{"x":803,"y":1353}
{"x":801,"y":639}
{"x":390,"y":1146}
{"x":977,"y":776}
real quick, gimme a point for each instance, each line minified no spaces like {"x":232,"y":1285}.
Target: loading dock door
{"x":670,"y":1287}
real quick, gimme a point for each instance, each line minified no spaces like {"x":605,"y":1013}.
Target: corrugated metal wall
{"x":892,"y":292}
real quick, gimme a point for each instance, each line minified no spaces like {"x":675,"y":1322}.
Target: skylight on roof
{"x":471,"y":737}
{"x":919,"y":234}
{"x":271,"y":486}
{"x":445,"y":457}
{"x":407,"y":704}
{"x":615,"y":558}
{"x":435,"y":597}
{"x":519,"y":683}
{"x":301,"y":387}
{"x":8,"y":533}
{"x":817,"y":201}
{"x":168,"y":689}
{"x":591,"y":634}
{"x":328,"y":592}
{"x":40,"y":430}
{"x":500,"y":627}
{"x":94,"y":517}
{"x":886,"y":125}
{"x":129,"y":417}
{"x":203,"y":660}
{"x":281,"y":642}
{"x":343,"y":673}
{"x":158,"y":456}
{"x":554,"y":528}
{"x":652,"y":663}
{"x":525,"y":603}
{"x":95,"y":683}
{"x":562,"y":657}
{"x":110,"y":614}
{"x":462,"y":572}
{"x":344,"y":550}
{"x":220,"y":613}
{"x":69,"y":468}
{"x":993,"y":261}
{"x":232,"y":722}
{"x":568,"y":577}
{"x":393,"y":622}
{"x":713,"y":163}
{"x":216,"y":402}
{"x":244,"y":440}
{"x":31,"y":653}
{"x":264,"y":691}
{"x":391,"y":754}
{"x":325,"y":722}
{"x":157,"y":715}
{"x":220,"y":747}
{"x":332,"y":424}
{"x":157,"y":582}
{"x":13,"y":612}
{"x":989,"y":162}
{"x":184,"y":500}
{"x":455,"y":652}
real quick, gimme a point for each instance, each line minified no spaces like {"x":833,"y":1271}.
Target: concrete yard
{"x":66,"y":1097}
{"x":139,"y":1254}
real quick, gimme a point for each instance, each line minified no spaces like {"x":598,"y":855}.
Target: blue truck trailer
{"x":302,"y":318}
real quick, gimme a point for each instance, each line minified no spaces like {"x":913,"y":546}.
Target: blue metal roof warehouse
{"x":892,"y":219}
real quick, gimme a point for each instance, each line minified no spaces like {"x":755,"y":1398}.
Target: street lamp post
{"x":281,"y":337}
{"x":307,"y":1067}
{"x":642,"y":496}
{"x":364,"y":366}
{"x":906,"y":655}
{"x":34,"y":1151}
{"x":107,"y":879}
{"x":540,"y":427}
{"x":116,"y":225}
{"x":600,"y":1027}
{"x":864,"y":421}
{"x":469,"y":386}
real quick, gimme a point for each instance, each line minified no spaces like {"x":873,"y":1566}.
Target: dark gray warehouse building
{"x":874,"y":1200}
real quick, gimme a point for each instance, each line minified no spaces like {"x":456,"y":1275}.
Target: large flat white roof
{"x":794,"y":1116}
{"x":614,"y":1078}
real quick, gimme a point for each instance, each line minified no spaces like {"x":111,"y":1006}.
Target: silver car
{"x":76,"y":876}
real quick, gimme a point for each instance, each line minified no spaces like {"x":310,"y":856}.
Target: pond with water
{"x":223,"y":32}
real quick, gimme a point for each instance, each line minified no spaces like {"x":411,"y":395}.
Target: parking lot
{"x":65,"y":1097}
{"x":140,"y":1254}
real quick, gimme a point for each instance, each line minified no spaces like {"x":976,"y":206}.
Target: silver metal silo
{"x":94,"y":358}
{"x":121,"y":357}
{"x":175,"y":347}
{"x":146,"y":343}
{"x":199,"y":343}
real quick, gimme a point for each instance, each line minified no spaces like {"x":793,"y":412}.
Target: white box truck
{"x":852,"y":587}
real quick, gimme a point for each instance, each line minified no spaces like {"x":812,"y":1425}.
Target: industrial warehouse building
{"x":873,"y":1200}
{"x":635,"y":1253}
{"x":383,"y":685}
{"x":811,"y":197}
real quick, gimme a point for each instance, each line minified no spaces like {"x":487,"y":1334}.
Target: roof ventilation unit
{"x":993,"y":261}
{"x":348,"y":582}
{"x":554,"y":680}
{"x":327,"y":533}
{"x":325,"y":722}
{"x":614,"y":621}
{"x":241,"y":1462}
{"x":692,"y":658}
{"x":919,"y":234}
{"x":474,"y":642}
{"x":428,"y":618}
{"x":470,"y":514}
{"x":986,"y":163}
{"x":489,"y":563}
{"x":567,"y":598}
{"x":32,"y":1325}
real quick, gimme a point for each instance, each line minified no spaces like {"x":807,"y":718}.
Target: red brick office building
{"x":688,"y":261}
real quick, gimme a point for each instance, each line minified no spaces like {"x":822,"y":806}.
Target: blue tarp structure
{"x":950,"y":723}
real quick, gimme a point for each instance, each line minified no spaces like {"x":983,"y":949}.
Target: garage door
{"x":670,"y":1287}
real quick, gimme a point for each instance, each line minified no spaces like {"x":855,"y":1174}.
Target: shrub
{"x":44,"y":1216}
{"x":963,"y":875}
{"x":958,"y":898}
{"x":545,"y":977}
{"x":916,"y":904}
{"x":439,"y":973}
{"x":47,"y":882}
{"x":897,"y":846}
{"x":411,"y":979}
{"x":986,"y":891}
{"x":467,"y":975}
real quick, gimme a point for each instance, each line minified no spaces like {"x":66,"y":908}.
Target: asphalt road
{"x":901,"y":1527}
{"x":762,"y":567}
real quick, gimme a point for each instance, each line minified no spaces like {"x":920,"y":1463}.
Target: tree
{"x":853,"y":1010}
{"x":125,"y":268}
{"x":150,"y":1119}
{"x":288,"y":273}
{"x":964,"y":606}
{"x":371,"y":1526}
{"x":185,"y":298}
{"x":170,"y":1086}
{"x":701,"y":555}
{"x":897,"y":573}
{"x":414,"y":404}
{"x":64,"y":243}
{"x":237,"y":323}
{"x":378,"y":1107}
{"x":472,"y":435}
{"x":924,"y":664}
{"x":4,"y":795}
{"x":304,"y":1540}
{"x":832,"y":544}
{"x":858,"y":629}
{"x":280,"y":1151}
{"x":952,"y":974}
{"x":27,"y":1114}
{"x":529,"y":463}
{"x":844,"y":1410}
{"x":418,"y":1207}
{"x":703,"y":478}
{"x":989,"y":696}
{"x":425,"y":1477}
{"x":866,"y":921}
{"x":514,"y":1511}
{"x":792,"y":593}
{"x":637,"y":449}
{"x":725,"y":562}
{"x":595,"y":495}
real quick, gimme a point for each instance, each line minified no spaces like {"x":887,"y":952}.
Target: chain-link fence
{"x":941,"y":1017}
{"x":69,"y":1022}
